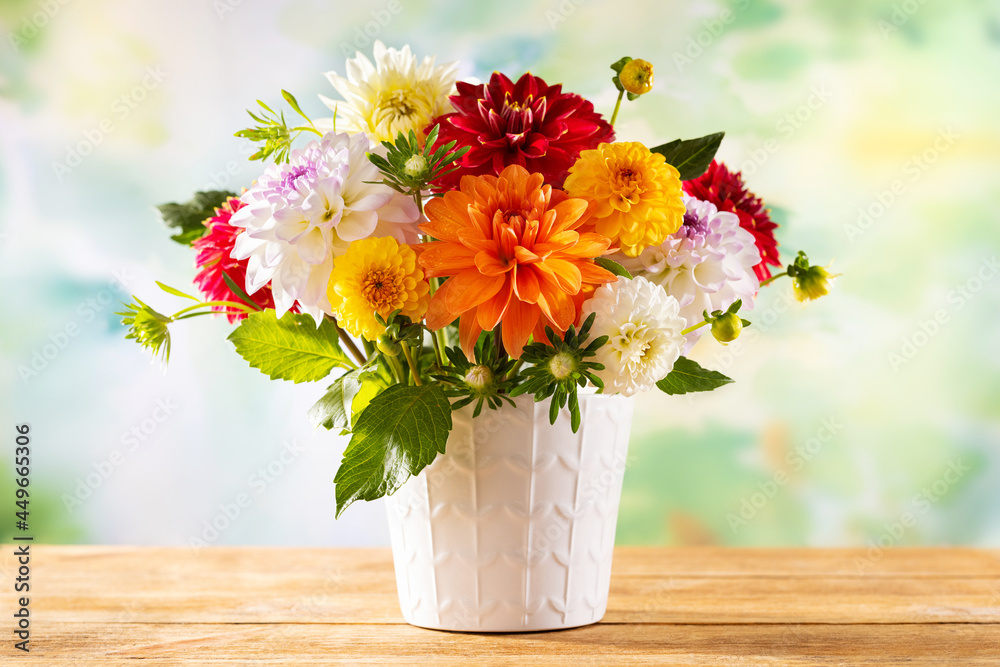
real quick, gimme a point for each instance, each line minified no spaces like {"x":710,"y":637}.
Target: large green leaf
{"x":348,"y":396}
{"x":291,"y":348}
{"x":691,"y":157}
{"x":400,"y":432}
{"x":188,"y":219}
{"x":688,"y":376}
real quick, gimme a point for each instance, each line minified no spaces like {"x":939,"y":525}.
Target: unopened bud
{"x":727,"y":327}
{"x":637,"y":77}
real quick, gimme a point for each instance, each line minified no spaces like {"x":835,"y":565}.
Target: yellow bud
{"x":811,"y":283}
{"x":727,"y":327}
{"x":637,"y":77}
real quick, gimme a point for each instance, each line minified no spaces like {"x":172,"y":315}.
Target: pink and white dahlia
{"x":299,"y":215}
{"x":707,"y":264}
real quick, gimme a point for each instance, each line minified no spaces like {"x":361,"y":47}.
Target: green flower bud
{"x":387,"y":346}
{"x":562,"y":365}
{"x":415,"y":166}
{"x":727,"y":327}
{"x":479,"y":377}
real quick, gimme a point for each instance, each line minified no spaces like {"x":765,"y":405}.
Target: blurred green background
{"x":869,"y":417}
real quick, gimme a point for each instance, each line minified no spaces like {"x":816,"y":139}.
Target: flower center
{"x":562,"y":365}
{"x":397,"y":104}
{"x":695,"y":227}
{"x":379,"y":289}
{"x":294,"y":174}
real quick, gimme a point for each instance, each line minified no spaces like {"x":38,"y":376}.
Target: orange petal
{"x":490,"y":265}
{"x":438,"y":314}
{"x":518,"y":324}
{"x":558,"y":307}
{"x":566,"y":273}
{"x":492,"y":310}
{"x":525,"y":256}
{"x":446,"y":215}
{"x":589,"y":245}
{"x":441,"y":258}
{"x":592,"y":273}
{"x":470,"y":288}
{"x":569,"y":212}
{"x":526,"y":283}
{"x":468,"y":334}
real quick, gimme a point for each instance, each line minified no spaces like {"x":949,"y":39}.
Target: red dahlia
{"x":213,"y":259}
{"x":727,"y":191}
{"x":527,"y":123}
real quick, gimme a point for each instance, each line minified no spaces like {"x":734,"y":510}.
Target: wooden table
{"x":696,"y":606}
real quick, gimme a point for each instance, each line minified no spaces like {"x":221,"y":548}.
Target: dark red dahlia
{"x":213,"y":259}
{"x":727,"y":191}
{"x":527,"y":123}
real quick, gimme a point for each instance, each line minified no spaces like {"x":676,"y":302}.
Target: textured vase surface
{"x":513,"y":528}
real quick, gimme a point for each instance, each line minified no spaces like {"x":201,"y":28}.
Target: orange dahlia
{"x":511,"y":249}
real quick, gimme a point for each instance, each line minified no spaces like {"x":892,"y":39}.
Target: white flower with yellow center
{"x":643,"y":326}
{"x":395,"y":94}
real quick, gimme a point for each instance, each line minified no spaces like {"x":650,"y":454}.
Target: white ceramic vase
{"x":513,"y":528}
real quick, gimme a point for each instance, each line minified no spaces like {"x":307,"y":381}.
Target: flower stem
{"x":515,"y":369}
{"x":350,"y":345}
{"x":211,"y":304}
{"x":420,"y":204}
{"x":439,"y":360}
{"x":618,"y":104}
{"x":694,"y":326}
{"x":413,"y":367}
{"x":440,"y":342}
{"x":773,"y":278}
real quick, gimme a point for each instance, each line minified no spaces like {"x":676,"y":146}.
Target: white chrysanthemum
{"x":301,"y":214}
{"x":643,"y":328}
{"x":707,"y":264}
{"x":395,"y":94}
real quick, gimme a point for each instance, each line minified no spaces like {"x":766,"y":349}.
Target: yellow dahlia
{"x":395,"y":94}
{"x":376,"y":275}
{"x":635,"y":196}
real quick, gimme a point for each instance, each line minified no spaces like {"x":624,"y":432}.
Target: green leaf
{"x":398,"y":435}
{"x":691,"y":157}
{"x":291,"y":348}
{"x":176,"y":292}
{"x":239,"y":291}
{"x":612,"y":266}
{"x":188,"y":219}
{"x":687,"y":376}
{"x":333,"y":410}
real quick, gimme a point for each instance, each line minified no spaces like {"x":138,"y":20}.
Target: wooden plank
{"x":266,"y":585}
{"x":100,"y":643}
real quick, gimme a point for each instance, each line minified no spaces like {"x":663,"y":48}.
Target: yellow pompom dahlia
{"x":376,"y":275}
{"x":635,"y":197}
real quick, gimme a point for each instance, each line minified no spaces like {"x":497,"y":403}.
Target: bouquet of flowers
{"x":438,"y":244}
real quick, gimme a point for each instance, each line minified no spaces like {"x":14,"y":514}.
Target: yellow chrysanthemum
{"x":635,"y":196}
{"x":376,"y":275}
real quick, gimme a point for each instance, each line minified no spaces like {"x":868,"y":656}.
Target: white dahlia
{"x":396,"y":94}
{"x":301,"y":214}
{"x":643,"y":328}
{"x":707,"y":264}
